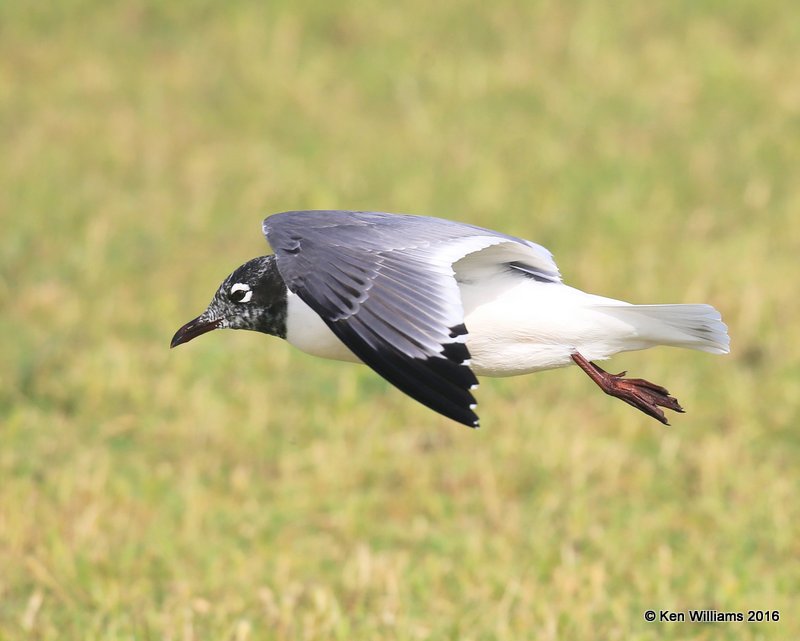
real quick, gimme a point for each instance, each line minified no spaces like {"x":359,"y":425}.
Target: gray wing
{"x":384,"y":285}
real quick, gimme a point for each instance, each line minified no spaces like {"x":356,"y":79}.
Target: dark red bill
{"x":193,"y":329}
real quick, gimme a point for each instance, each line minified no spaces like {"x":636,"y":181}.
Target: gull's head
{"x":252,"y":297}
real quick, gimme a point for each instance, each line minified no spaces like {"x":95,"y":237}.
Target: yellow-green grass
{"x":236,"y":489}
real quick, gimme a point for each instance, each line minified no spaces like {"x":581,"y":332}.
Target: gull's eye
{"x":241,"y":293}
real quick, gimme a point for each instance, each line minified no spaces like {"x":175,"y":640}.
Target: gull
{"x":430,"y":304}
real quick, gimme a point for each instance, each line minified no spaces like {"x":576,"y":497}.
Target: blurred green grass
{"x":237,"y":489}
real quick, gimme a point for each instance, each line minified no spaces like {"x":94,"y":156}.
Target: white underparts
{"x":518,"y":325}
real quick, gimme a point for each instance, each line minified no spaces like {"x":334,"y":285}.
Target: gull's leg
{"x":641,"y":394}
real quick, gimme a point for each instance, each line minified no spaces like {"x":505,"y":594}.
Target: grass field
{"x":237,"y":489}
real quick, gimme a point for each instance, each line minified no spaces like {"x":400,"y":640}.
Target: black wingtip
{"x":437,"y":382}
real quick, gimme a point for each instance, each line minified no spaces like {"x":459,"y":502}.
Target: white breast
{"x":309,"y":333}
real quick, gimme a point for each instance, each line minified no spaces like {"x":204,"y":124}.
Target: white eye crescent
{"x":241,"y":293}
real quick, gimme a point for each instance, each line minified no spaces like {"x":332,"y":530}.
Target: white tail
{"x":697,"y":327}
